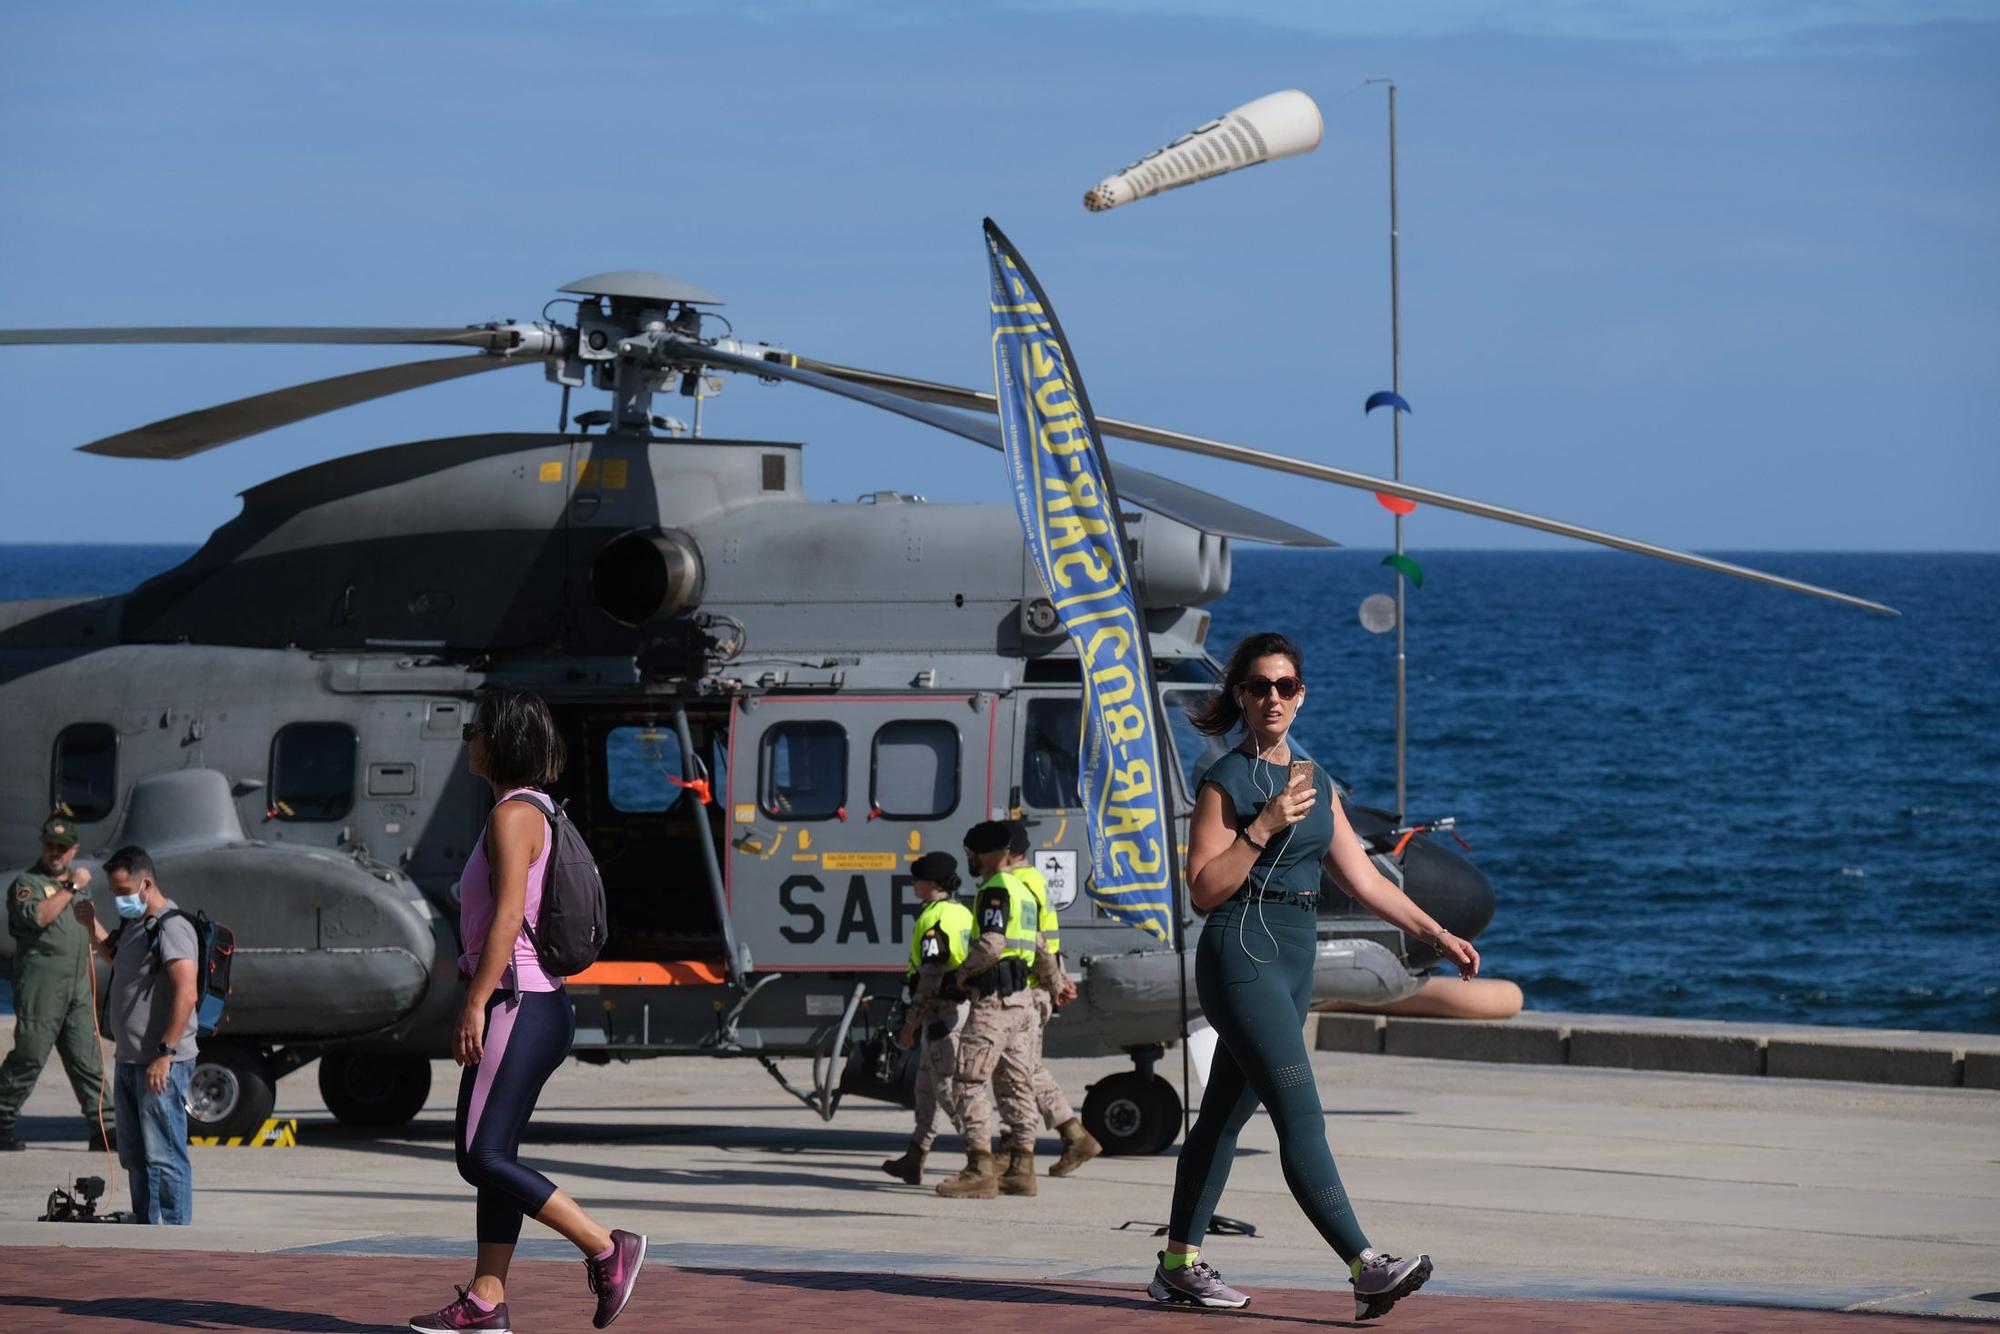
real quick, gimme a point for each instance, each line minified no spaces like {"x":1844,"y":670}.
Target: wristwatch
{"x":163,"y":1049}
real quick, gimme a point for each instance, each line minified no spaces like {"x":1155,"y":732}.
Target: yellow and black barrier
{"x":274,"y":1134}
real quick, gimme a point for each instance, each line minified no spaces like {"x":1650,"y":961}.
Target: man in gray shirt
{"x":152,"y":1003}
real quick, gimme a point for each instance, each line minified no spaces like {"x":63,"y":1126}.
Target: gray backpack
{"x":569,"y":931}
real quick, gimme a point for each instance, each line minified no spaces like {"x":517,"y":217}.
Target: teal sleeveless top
{"x":1292,"y":865}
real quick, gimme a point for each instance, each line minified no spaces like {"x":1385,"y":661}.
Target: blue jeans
{"x":153,"y":1143}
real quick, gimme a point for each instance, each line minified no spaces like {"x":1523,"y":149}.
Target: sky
{"x":1722,"y":276}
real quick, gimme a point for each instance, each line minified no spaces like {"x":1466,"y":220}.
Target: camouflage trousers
{"x":996,"y":1056}
{"x":1049,"y":1099}
{"x":940,"y":1110}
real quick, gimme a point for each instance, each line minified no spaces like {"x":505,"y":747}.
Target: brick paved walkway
{"x":95,"y":1291}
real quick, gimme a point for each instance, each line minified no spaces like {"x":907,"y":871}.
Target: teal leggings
{"x":1259,"y":1009}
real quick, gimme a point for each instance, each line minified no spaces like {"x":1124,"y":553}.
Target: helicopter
{"x":772,"y":706}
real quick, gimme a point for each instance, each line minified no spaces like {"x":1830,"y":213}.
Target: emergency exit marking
{"x":1058,"y":868}
{"x":858,"y":861}
{"x":746,"y":815}
{"x":552,"y":472}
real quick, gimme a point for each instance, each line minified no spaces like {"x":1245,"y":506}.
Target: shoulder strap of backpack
{"x":548,"y":866}
{"x":158,"y":925}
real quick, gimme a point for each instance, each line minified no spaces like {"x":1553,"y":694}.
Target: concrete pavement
{"x":1524,"y":1183}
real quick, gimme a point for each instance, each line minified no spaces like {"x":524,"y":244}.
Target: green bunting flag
{"x":1407,"y":567}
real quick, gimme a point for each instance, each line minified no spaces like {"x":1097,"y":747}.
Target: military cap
{"x":940,"y":868}
{"x":59,"y":829}
{"x":987,"y":836}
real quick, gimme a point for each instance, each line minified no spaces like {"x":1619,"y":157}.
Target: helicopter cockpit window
{"x":803,"y":771}
{"x":915,"y":772}
{"x":86,"y":771}
{"x":1048,"y":753}
{"x":642,"y":766}
{"x":312,"y":771}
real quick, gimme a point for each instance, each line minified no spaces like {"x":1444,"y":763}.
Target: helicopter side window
{"x":915,"y":771}
{"x":1048,"y":754}
{"x":312,"y":771}
{"x":642,"y":767}
{"x":803,"y":771}
{"x":1194,"y":750}
{"x":86,"y":771}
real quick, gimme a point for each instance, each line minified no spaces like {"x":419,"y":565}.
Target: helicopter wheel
{"x":231,"y":1091}
{"x":1132,"y":1113}
{"x":373,"y":1088}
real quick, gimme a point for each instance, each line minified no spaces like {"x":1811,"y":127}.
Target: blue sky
{"x":1718,"y":275}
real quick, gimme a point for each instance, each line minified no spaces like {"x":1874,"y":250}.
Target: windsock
{"x":1281,"y":125}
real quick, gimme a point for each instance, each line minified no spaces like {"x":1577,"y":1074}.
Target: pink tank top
{"x":475,"y":913}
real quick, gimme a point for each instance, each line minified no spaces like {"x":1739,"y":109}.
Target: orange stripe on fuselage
{"x":677,"y":973}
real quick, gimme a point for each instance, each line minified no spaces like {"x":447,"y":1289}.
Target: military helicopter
{"x":772,"y":706}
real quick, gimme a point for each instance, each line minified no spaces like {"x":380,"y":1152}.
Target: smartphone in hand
{"x":1301,"y":774}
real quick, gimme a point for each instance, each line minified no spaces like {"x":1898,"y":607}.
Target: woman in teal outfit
{"x":1256,"y":848}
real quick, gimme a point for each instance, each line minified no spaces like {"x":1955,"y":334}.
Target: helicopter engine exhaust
{"x":647,"y":575}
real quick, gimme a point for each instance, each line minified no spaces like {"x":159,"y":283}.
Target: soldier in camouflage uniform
{"x":1079,"y":1145}
{"x":52,"y":986}
{"x":996,"y":1053}
{"x":938,"y":945}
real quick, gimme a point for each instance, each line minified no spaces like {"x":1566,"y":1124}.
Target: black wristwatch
{"x":163,"y":1049}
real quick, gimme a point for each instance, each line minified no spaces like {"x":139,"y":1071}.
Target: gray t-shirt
{"x":142,"y":991}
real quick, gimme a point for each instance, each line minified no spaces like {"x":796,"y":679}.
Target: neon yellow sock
{"x":1179,"y":1259}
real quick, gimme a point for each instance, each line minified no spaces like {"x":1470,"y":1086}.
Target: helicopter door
{"x":830,"y":799}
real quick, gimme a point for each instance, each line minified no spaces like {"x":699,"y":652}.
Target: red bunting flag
{"x":1394,"y":504}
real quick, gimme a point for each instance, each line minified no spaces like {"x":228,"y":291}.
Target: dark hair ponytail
{"x":1219,"y":714}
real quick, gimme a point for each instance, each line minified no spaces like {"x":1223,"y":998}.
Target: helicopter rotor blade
{"x":193,"y":432}
{"x":496,"y":339}
{"x":930,"y":391}
{"x":1162,"y":495}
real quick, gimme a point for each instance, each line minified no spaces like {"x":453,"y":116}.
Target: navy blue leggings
{"x":527,"y":1038}
{"x":1254,"y":976}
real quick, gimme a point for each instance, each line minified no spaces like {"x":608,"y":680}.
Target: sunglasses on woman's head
{"x":1287,"y":687}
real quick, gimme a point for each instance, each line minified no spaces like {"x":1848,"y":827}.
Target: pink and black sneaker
{"x":612,"y":1277}
{"x":463,"y":1314}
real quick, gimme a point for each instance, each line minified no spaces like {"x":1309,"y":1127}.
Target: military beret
{"x":940,"y":868}
{"x":987,"y":836}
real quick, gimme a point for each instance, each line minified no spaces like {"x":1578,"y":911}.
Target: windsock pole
{"x":1396,"y":420}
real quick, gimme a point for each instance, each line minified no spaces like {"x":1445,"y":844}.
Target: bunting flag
{"x":1383,"y":398}
{"x":1069,"y":516}
{"x":1394,"y":504}
{"x":1406,"y":567}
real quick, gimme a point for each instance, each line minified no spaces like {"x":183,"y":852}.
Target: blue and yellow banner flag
{"x":1069,"y":513}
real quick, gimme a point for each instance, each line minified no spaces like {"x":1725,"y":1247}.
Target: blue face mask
{"x":130,"y":906}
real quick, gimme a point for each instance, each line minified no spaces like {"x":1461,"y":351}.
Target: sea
{"x":1695,"y":796}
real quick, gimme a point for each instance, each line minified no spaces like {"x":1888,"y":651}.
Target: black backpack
{"x":569,"y":932}
{"x":214,"y":952}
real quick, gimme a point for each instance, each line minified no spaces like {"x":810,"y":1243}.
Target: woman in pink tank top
{"x":516,"y":1027}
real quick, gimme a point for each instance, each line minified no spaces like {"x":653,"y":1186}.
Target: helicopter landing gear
{"x":231,"y":1091}
{"x":1133,"y":1112}
{"x":364,"y":1088}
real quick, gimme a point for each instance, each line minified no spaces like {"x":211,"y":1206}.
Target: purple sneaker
{"x":462,"y":1315}
{"x":612,"y":1277}
{"x":1193,"y":1285}
{"x":1380,"y":1281}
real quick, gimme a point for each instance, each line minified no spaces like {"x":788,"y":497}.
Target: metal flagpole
{"x":1396,"y":420}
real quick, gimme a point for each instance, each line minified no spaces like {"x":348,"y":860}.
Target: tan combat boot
{"x":1019,"y":1177}
{"x":909,"y":1169}
{"x":977,"y":1181}
{"x":1079,"y":1147}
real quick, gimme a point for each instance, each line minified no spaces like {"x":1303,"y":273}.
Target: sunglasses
{"x":1288,"y":687}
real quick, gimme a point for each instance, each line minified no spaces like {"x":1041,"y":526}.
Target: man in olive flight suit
{"x":1079,"y":1145}
{"x":996,"y":1053}
{"x":938,"y":945}
{"x":52,"y":989}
